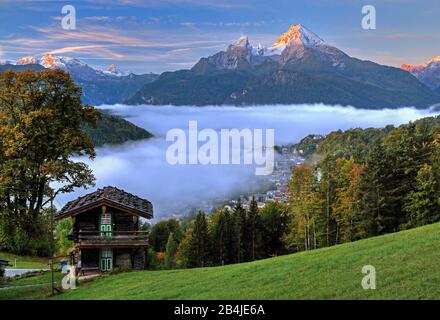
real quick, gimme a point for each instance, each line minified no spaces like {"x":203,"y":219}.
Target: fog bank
{"x":141,"y":168}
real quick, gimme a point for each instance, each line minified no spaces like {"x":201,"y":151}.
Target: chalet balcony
{"x":114,"y":239}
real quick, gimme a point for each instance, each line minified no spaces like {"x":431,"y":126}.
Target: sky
{"x":166,"y":35}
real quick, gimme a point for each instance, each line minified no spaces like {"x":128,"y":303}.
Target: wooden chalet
{"x":106,"y":230}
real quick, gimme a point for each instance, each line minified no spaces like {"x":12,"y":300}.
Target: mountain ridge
{"x":427,"y":73}
{"x":108,"y":86}
{"x":298,"y":68}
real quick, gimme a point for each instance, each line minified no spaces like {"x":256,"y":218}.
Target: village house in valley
{"x":106,"y":231}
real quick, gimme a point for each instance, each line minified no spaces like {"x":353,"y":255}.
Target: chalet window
{"x":106,"y":227}
{"x":106,"y":218}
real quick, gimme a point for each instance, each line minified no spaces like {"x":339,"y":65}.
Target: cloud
{"x":89,"y":49}
{"x":97,"y":18}
{"x":97,"y":39}
{"x":216,"y":4}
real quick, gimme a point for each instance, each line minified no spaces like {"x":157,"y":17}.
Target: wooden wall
{"x":89,"y":221}
{"x":124,"y":221}
{"x":90,"y":258}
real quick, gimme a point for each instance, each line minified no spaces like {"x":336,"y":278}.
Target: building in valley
{"x":106,"y":230}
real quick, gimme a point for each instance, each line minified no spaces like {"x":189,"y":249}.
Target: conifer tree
{"x":170,"y":252}
{"x":199,"y":245}
{"x":238,"y":232}
{"x":219,"y":232}
{"x":255,"y":232}
{"x":422,"y":205}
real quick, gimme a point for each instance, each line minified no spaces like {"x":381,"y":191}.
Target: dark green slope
{"x":12,"y":67}
{"x":112,"y":129}
{"x":187,"y":87}
{"x":111,"y":89}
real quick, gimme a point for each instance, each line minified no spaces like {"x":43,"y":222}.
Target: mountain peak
{"x":114,"y":71}
{"x":49,"y":61}
{"x":432,"y":62}
{"x":410,"y":67}
{"x":27,"y":60}
{"x":243,"y":41}
{"x":428,"y":72}
{"x":298,"y":34}
{"x":112,"y":68}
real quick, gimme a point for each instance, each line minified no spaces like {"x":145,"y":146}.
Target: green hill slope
{"x":111,"y":129}
{"x":407,"y":267}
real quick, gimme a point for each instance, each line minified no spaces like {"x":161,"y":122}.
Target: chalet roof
{"x":111,"y":196}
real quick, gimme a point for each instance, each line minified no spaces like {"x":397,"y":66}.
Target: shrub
{"x":62,"y":230}
{"x":153,"y":261}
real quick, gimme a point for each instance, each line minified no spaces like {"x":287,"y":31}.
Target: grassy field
{"x":37,"y":287}
{"x":407,"y":266}
{"x":24,"y":262}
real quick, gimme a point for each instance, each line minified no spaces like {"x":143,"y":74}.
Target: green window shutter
{"x":102,"y":265}
{"x":109,"y":264}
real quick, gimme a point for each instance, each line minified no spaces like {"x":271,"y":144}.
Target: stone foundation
{"x":122,"y":259}
{"x":139,"y":259}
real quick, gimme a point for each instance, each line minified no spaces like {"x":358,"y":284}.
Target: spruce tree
{"x":422,"y":205}
{"x":254,"y":223}
{"x":239,"y":222}
{"x":199,"y":244}
{"x":170,"y":252}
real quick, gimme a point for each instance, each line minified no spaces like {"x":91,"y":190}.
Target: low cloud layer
{"x":141,"y":167}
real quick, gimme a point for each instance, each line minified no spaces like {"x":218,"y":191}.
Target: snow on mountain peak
{"x":114,"y":71}
{"x":428,"y":72}
{"x":53,"y":62}
{"x":27,"y":60}
{"x":432,"y":63}
{"x":49,"y":61}
{"x":298,"y":34}
{"x":243,"y":41}
{"x":68,"y":64}
{"x":410,"y":67}
{"x":112,"y":68}
{"x":434,"y":60}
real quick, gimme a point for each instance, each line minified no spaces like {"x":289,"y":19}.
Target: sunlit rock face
{"x":295,"y":44}
{"x":428,"y":72}
{"x":26,"y":60}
